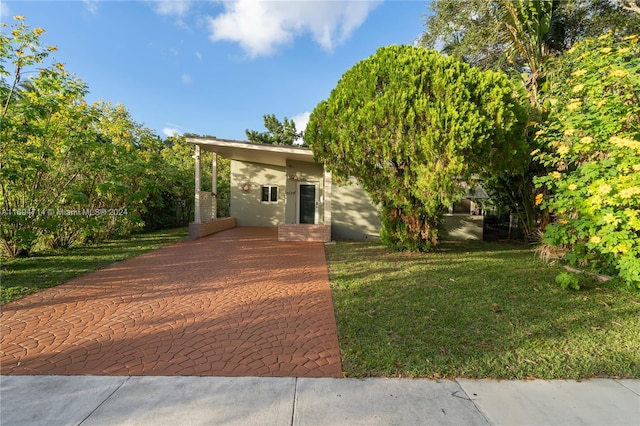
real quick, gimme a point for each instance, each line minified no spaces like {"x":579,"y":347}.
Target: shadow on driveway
{"x":237,"y":303}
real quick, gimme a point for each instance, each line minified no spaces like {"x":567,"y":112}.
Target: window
{"x":269,"y":194}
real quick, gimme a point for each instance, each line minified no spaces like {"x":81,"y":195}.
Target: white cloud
{"x":186,"y":79}
{"x":198,"y":55}
{"x":172,"y":8}
{"x":176,"y":9}
{"x":301,"y":120}
{"x":5,"y":12}
{"x":260,"y":26}
{"x":91,"y":5}
{"x":168,"y":131}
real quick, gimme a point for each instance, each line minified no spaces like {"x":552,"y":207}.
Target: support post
{"x":196,"y":213}
{"x":327,"y":198}
{"x":214,"y":186}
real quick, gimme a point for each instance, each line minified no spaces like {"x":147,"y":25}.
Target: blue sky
{"x":216,"y":67}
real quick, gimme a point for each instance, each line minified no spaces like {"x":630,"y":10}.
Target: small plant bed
{"x":22,"y":276}
{"x":477,"y":310}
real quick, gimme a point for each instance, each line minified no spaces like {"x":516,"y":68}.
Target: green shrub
{"x":592,"y":142}
{"x":568,"y":280}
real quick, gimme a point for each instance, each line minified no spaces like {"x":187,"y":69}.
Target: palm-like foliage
{"x":534,"y":30}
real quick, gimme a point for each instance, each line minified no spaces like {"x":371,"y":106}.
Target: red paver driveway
{"x":238,"y":303}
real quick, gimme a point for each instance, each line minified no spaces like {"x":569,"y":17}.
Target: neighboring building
{"x":284,"y":187}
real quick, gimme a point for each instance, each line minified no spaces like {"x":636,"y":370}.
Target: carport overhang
{"x":276,"y":155}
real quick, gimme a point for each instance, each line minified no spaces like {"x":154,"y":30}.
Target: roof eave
{"x":253,"y":152}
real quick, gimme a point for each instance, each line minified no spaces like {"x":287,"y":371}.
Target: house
{"x":284,"y":187}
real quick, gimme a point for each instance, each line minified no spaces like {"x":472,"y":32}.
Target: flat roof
{"x":253,"y":152}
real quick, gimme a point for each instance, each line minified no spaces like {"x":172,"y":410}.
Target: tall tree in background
{"x":534,"y":30}
{"x":278,"y":133}
{"x":411,"y":125}
{"x":519,"y":37}
{"x":469,"y":31}
{"x":474,"y":31}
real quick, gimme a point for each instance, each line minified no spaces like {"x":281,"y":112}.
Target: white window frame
{"x":271,"y":188}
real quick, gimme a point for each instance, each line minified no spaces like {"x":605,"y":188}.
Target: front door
{"x":307,"y":203}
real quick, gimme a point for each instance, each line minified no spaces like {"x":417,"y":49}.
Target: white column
{"x":327,"y":197}
{"x":196,"y":212}
{"x":214,"y":186}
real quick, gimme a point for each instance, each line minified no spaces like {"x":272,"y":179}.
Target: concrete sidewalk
{"x":152,"y":400}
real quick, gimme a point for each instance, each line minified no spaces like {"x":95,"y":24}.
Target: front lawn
{"x":22,"y":276}
{"x":477,"y":310}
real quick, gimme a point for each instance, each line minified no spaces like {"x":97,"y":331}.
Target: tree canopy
{"x":591,"y":146}
{"x":475,"y":31}
{"x":72,"y":172}
{"x":520,"y":37}
{"x":411,"y":126}
{"x":278,"y":133}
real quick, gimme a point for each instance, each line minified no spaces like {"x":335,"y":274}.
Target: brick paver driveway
{"x":236,"y":303}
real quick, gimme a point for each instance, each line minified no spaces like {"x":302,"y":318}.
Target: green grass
{"x":22,"y":276}
{"x":477,"y":310}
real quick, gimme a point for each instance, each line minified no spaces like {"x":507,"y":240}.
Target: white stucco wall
{"x":246,"y":206}
{"x":354,"y":216}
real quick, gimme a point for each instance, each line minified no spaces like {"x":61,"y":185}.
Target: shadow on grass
{"x":26,"y":275}
{"x":476,"y":310}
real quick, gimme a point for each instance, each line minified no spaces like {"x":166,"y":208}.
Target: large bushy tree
{"x":411,"y":125}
